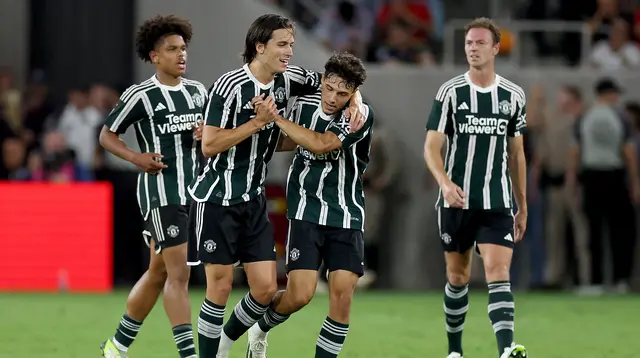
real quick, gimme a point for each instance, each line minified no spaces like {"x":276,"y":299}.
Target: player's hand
{"x":266,"y":111}
{"x":453,"y":195}
{"x":356,"y":118}
{"x":519,"y":225}
{"x":197,"y":130}
{"x":149,"y":162}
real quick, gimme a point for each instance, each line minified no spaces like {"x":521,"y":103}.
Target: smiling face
{"x":277,"y":52}
{"x":170,"y":55}
{"x":480,"y":47}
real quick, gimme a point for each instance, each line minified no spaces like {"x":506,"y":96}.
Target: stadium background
{"x":84,"y":235}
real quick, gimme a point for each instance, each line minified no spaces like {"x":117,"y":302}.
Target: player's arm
{"x":128,"y":111}
{"x":338,"y":134}
{"x":304,"y":82}
{"x":285,"y":144}
{"x":218,"y":111}
{"x":516,"y":160}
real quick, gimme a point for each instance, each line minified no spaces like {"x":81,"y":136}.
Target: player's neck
{"x":482,"y":77}
{"x":167,"y":80}
{"x":261,"y":72}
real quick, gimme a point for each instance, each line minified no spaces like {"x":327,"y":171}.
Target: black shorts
{"x":309,"y":244}
{"x":460,"y":229}
{"x":226,"y":235}
{"x":166,"y":226}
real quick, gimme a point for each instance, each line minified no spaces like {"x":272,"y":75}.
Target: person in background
{"x":605,"y":156}
{"x":58,"y":162}
{"x":345,"y":26}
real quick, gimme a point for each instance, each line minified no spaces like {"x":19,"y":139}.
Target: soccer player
{"x":481,"y":116}
{"x":163,"y":110}
{"x":229,"y":214}
{"x":325,"y":205}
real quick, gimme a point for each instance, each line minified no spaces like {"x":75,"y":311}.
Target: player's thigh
{"x":157,"y":267}
{"x":343,"y":250}
{"x":166,"y":226}
{"x":495,"y":240}
{"x":215,"y":233}
{"x":301,"y":286}
{"x":457,"y":229}
{"x":257,"y":242}
{"x":304,"y":246}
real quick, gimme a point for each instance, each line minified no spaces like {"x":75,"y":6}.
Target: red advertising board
{"x":56,"y":237}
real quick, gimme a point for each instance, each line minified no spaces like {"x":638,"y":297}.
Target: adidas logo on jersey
{"x":463,"y":106}
{"x":249,"y":105}
{"x":476,"y":125}
{"x":181,"y":123}
{"x":509,"y":237}
{"x":160,"y":107}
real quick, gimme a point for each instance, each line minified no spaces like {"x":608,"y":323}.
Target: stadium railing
{"x":517,"y":28}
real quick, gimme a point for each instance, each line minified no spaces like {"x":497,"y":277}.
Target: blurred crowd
{"x":382,"y":31}
{"x":44,"y":142}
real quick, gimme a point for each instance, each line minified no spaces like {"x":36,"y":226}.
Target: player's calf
{"x":176,"y":298}
{"x":501,"y":306}
{"x":456,"y":298}
{"x":261,"y":277}
{"x":210,"y":319}
{"x":336,"y":325}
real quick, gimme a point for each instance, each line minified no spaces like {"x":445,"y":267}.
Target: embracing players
{"x":481,"y":116}
{"x":229,"y":215}
{"x":325,"y":205}
{"x":163,"y":110}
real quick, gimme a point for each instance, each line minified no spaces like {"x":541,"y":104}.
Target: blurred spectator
{"x":414,"y":13}
{"x":13,"y":158}
{"x":602,"y":21}
{"x":382,"y":173}
{"x":399,"y":46}
{"x":618,"y":51}
{"x":345,"y":26}
{"x":57,"y":162}
{"x":632,"y":111}
{"x":79,"y":121}
{"x":10,"y":101}
{"x":562,"y":214}
{"x":37,"y":110}
{"x":606,"y":157}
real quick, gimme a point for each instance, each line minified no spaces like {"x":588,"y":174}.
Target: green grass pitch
{"x":384,"y":325}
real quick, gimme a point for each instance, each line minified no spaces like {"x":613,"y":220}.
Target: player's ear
{"x":260,"y":48}
{"x":496,"y":49}
{"x":153,"y":56}
{"x":322,"y":79}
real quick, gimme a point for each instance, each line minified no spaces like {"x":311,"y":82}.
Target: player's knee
{"x":178,"y":275}
{"x":157,"y":274}
{"x":301,"y":296}
{"x":219,"y":282}
{"x":264,"y":291}
{"x":458,"y":278}
{"x":496,"y":271}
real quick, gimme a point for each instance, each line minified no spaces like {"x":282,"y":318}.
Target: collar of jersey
{"x":255,"y":80}
{"x":177,"y":87}
{"x":482,"y":89}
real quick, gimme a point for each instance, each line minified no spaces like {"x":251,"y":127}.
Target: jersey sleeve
{"x":129,"y":110}
{"x":219,"y":104}
{"x":342,"y":128}
{"x":294,"y":116}
{"x":302,"y":82}
{"x":440,"y":117}
{"x":518,"y":122}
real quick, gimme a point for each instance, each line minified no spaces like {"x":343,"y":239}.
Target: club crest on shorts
{"x":446,"y":238}
{"x":173,"y":231}
{"x":210,"y":246}
{"x":295,"y":254}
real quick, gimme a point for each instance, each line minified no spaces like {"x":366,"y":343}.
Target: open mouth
{"x":182,"y":64}
{"x":285,"y":62}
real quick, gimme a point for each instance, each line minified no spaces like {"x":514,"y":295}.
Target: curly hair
{"x":156,"y":29}
{"x":348,"y":67}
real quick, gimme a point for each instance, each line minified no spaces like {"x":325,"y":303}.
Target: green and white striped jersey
{"x":238,"y":174}
{"x":162,"y":117}
{"x":326,"y":188}
{"x":477,"y":122}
